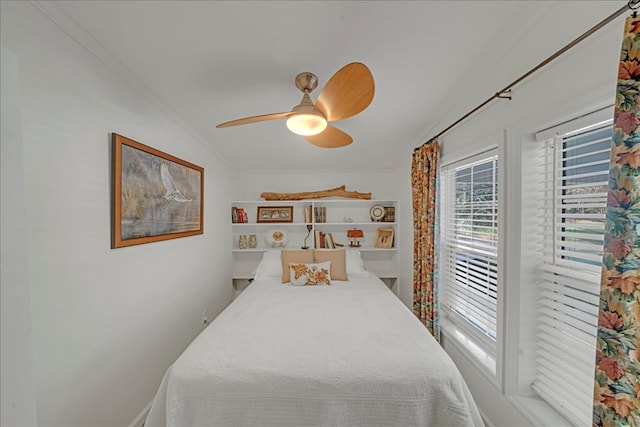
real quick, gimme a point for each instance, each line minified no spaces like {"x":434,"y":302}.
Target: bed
{"x":346,"y":354}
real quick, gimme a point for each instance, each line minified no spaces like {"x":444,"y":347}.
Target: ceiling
{"x":207,"y":62}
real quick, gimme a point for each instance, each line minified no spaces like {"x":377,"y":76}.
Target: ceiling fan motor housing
{"x":306,"y":82}
{"x":306,"y":106}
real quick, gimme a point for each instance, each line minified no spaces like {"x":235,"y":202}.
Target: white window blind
{"x":469,"y":246}
{"x":574,"y":195}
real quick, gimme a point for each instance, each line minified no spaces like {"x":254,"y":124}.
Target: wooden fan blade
{"x":349,"y":91}
{"x":253,"y":119}
{"x":331,"y":137}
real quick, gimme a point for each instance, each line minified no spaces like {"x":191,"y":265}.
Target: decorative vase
{"x":253,"y":241}
{"x":242,"y":242}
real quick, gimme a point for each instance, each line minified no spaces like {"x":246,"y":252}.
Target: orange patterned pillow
{"x":310,"y":274}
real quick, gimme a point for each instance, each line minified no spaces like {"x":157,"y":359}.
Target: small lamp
{"x":354,"y":235}
{"x":304,"y":245}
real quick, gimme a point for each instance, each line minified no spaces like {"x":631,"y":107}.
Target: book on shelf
{"x":238,"y":215}
{"x":308,"y":215}
{"x":330,"y":244}
{"x":241,"y":215}
{"x":324,"y":240}
{"x":320,"y":214}
{"x":389,"y":214}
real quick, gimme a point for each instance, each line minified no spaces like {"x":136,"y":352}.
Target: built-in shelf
{"x":339,"y":216}
{"x":361,"y":249}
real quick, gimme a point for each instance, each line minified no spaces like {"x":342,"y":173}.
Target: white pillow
{"x":310,"y":273}
{"x":270,"y":266}
{"x":355,"y":265}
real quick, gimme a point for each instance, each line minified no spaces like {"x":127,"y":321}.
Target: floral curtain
{"x":424,"y":168}
{"x":617,"y":375}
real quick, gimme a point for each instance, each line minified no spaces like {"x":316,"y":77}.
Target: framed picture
{"x":275,"y":214}
{"x":155,"y":196}
{"x":384,"y":238}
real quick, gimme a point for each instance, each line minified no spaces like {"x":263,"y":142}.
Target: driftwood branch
{"x":332,"y":192}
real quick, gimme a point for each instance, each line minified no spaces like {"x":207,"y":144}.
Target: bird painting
{"x":172,"y":194}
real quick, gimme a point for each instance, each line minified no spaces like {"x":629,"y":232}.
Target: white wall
{"x":106,"y":322}
{"x":16,"y":357}
{"x":382,"y":184}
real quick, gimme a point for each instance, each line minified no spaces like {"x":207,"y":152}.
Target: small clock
{"x":377,"y":213}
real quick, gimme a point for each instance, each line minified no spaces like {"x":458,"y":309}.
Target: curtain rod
{"x":505,"y":93}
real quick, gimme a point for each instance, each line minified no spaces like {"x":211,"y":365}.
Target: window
{"x":575,"y":182}
{"x":469,"y":246}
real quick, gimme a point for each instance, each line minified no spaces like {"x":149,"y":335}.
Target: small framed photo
{"x":384,"y":238}
{"x":275,"y":214}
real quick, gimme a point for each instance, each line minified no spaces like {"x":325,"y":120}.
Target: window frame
{"x":487,"y":356}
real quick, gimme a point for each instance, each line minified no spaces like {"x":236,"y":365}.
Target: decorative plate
{"x":277,"y":238}
{"x":377,"y":213}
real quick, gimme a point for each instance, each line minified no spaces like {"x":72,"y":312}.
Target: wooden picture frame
{"x":155,"y":196}
{"x":384,"y":238}
{"x":275,"y":214}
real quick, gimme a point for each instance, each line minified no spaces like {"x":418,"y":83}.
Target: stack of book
{"x":320,"y":214}
{"x":389,"y":214}
{"x":324,"y":240}
{"x":238,"y":215}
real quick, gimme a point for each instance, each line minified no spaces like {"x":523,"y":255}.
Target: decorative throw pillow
{"x":270,"y":267}
{"x":300,"y":257}
{"x":337,"y":257}
{"x":310,"y":274}
{"x":355,"y":264}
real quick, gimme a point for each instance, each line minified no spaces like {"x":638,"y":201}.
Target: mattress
{"x":348,"y":354}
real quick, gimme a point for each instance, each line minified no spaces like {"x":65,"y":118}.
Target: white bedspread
{"x":349,"y":354}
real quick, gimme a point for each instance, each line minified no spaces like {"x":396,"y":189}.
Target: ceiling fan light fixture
{"x":306,"y":124}
{"x":348,"y":92}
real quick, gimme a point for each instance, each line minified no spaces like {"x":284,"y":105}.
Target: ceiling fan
{"x":348,"y":92}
